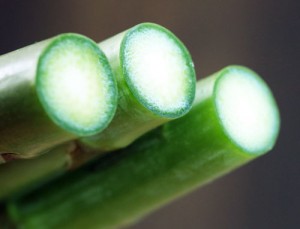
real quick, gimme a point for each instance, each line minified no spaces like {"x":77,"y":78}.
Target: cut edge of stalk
{"x":186,"y":81}
{"x":75,"y":85}
{"x":250,"y":106}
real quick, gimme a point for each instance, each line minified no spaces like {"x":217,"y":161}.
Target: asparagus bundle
{"x":156,"y":82}
{"x":234,"y":119}
{"x":52,"y":92}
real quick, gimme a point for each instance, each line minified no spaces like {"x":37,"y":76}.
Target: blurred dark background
{"x":261,"y":34}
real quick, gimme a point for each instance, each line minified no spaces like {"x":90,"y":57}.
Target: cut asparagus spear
{"x":53,"y":91}
{"x":234,"y":119}
{"x":156,"y":82}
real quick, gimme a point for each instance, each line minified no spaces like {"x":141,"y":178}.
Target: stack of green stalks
{"x":99,"y":135}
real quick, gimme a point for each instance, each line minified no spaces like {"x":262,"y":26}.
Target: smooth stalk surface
{"x":168,"y":162}
{"x":20,"y":175}
{"x":52,"y":92}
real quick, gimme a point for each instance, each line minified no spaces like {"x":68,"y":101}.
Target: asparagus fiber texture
{"x":234,"y":119}
{"x":51,"y":92}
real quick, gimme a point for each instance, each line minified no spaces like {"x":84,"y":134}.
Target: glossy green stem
{"x":122,"y":187}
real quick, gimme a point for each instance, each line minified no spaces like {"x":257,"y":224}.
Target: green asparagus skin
{"x":156,"y":83}
{"x":25,"y":174}
{"x":166,"y":163}
{"x":51,"y":92}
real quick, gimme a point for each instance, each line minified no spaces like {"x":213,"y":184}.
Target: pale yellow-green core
{"x":157,"y":67}
{"x":247,"y":110}
{"x":75,"y":86}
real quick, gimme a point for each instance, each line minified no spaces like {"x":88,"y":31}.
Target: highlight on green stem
{"x":234,"y":119}
{"x":156,"y":82}
{"x":52,"y":92}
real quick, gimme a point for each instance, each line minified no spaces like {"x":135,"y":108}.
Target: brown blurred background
{"x":261,"y":34}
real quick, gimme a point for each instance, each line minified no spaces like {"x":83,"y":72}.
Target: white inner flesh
{"x":75,"y":87}
{"x":247,"y":110}
{"x":158,"y":69}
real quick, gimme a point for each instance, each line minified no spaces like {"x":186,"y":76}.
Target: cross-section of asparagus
{"x":234,"y":119}
{"x":156,"y":82}
{"x":53,"y":91}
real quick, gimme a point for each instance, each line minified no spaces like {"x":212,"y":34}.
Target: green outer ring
{"x":272,"y":140}
{"x":189,"y":62}
{"x":107,"y":69}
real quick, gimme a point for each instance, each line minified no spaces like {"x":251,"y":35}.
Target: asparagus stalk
{"x":52,"y":92}
{"x":234,"y":119}
{"x":26,"y":174}
{"x":156,"y":83}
